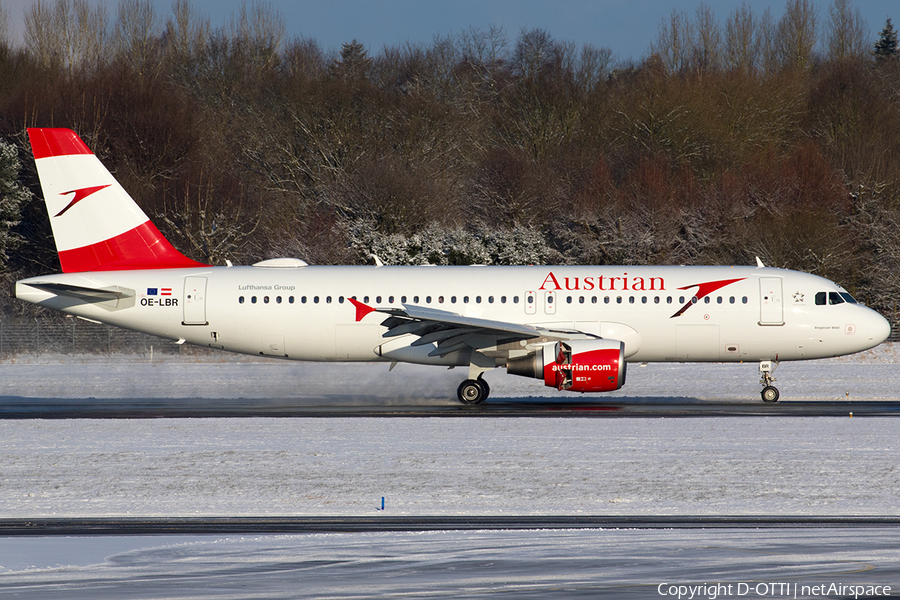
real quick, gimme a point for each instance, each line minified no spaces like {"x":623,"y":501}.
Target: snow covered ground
{"x":438,"y":466}
{"x":735,"y":465}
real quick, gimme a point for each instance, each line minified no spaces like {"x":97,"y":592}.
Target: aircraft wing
{"x":453,"y":331}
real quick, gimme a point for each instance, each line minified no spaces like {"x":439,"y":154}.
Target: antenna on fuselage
{"x":759,"y":263}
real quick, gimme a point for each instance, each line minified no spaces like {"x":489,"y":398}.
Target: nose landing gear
{"x":769,"y":392}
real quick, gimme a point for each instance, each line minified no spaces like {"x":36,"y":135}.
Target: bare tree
{"x":67,"y":35}
{"x":594,"y":67}
{"x":768,"y":42}
{"x":187,"y":34}
{"x":257,"y":34}
{"x":742,"y":43}
{"x":706,"y":54}
{"x":797,"y":35}
{"x":674,"y":42}
{"x":4,"y":27}
{"x":847,"y":31}
{"x":137,"y":34}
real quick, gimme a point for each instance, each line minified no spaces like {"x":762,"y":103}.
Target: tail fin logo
{"x":80,"y":194}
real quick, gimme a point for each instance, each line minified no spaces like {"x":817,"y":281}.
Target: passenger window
{"x":668,"y":299}
{"x":390,"y":299}
{"x":707,"y":299}
{"x":515,"y":299}
{"x":328,"y":299}
{"x":377,"y":300}
{"x":643,"y":299}
{"x":265,"y":299}
{"x":605,"y":299}
{"x":440,"y":299}
{"x":415,"y":299}
{"x":731,"y":300}
{"x":490,"y":299}
{"x":502,"y":299}
{"x":303,"y":299}
{"x":340,"y":300}
{"x":402,"y":299}
{"x":580,"y":299}
{"x":593,"y":299}
{"x":241,"y":300}
{"x":365,"y":299}
{"x":427,"y":299}
{"x":478,"y":300}
{"x":253,"y":300}
{"x":465,"y":299}
{"x":315,"y":299}
{"x":744,"y":300}
{"x":290,"y":299}
{"x":278,"y":300}
{"x":569,"y":299}
{"x":452,"y":299}
{"x":618,"y":299}
{"x":656,"y":300}
{"x":719,"y":300}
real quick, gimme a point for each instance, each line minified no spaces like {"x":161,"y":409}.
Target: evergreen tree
{"x":886,"y":46}
{"x":13,"y":196}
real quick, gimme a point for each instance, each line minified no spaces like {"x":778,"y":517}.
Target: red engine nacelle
{"x":576,"y":365}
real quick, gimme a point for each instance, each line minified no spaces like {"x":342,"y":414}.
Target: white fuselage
{"x":303,"y":312}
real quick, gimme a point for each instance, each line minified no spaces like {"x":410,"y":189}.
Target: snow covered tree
{"x":13,"y":196}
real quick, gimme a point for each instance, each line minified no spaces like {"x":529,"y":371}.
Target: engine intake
{"x":576,"y":365}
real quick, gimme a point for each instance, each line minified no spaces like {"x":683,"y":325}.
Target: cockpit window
{"x":823,"y":298}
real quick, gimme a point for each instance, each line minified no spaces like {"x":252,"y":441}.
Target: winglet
{"x":361,"y":309}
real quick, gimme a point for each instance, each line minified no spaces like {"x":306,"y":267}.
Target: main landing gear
{"x":473,"y":391}
{"x":769,"y":392}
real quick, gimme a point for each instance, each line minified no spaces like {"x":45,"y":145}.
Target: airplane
{"x":574,"y":327}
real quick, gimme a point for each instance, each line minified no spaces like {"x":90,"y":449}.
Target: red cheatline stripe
{"x":143,"y":247}
{"x":56,"y":142}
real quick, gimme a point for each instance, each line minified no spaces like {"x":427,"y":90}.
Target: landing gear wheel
{"x":472,"y":391}
{"x":770,"y":394}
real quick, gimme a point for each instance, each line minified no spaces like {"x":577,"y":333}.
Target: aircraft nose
{"x":877,"y":328}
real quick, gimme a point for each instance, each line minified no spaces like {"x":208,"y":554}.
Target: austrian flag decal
{"x":159,"y":291}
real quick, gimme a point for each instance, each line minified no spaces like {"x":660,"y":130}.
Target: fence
{"x":76,"y":336}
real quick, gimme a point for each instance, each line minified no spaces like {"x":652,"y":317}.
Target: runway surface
{"x":12,"y":407}
{"x":97,"y":526}
{"x":535,"y":563}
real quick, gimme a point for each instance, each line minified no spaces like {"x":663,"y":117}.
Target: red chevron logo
{"x":80,"y":195}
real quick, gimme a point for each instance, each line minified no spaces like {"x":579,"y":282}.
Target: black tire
{"x":484,"y":384}
{"x":472,"y":391}
{"x":770,"y":394}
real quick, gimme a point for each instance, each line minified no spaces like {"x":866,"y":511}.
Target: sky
{"x":627,"y":27}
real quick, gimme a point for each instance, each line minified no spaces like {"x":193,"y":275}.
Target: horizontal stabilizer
{"x":112,"y":297}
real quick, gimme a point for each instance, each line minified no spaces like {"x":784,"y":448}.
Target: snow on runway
{"x":434,"y":466}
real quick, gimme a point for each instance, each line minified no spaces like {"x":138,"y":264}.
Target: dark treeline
{"x":737,"y":137}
